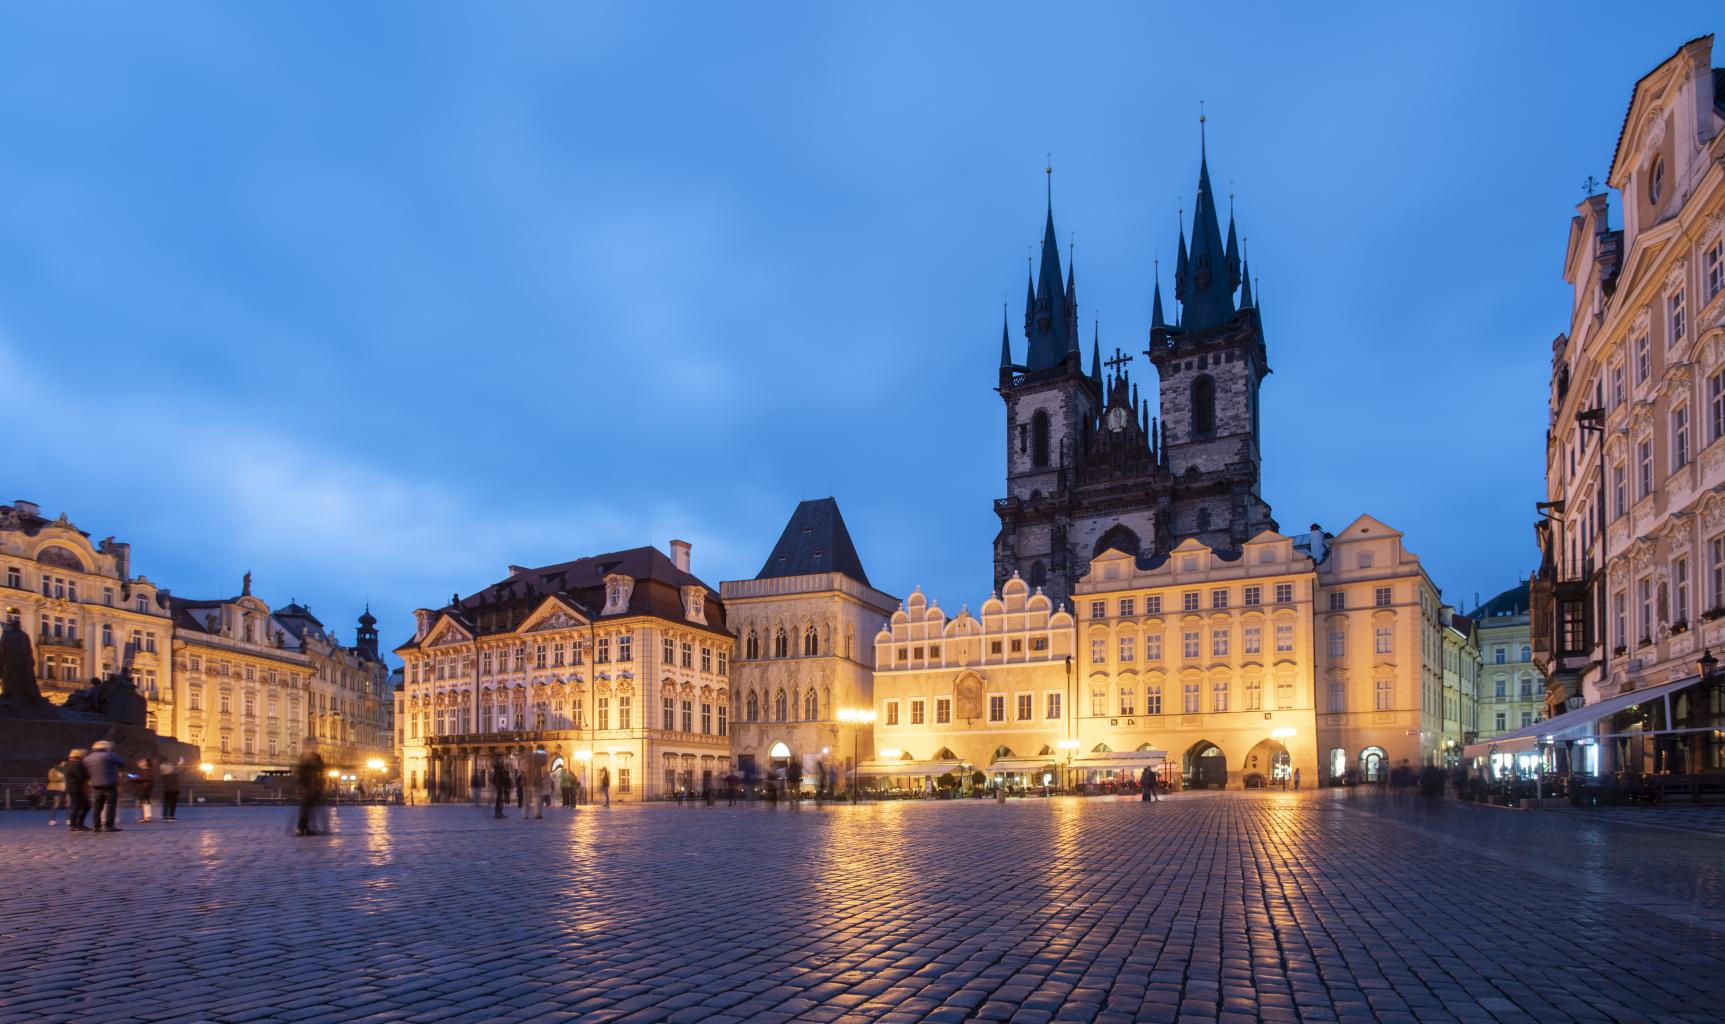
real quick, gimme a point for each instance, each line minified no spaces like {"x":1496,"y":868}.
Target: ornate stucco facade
{"x":259,"y":682}
{"x":1321,"y":654}
{"x":87,"y":615}
{"x":617,"y":663}
{"x":804,"y":626}
{"x":1631,"y":586}
{"x":988,"y":692}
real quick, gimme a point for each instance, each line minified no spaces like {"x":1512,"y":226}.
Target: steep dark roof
{"x":814,"y":541}
{"x":1513,"y":601}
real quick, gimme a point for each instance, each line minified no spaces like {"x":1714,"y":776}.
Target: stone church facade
{"x":1088,"y":466}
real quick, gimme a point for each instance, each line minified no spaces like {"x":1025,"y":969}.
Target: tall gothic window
{"x":754,"y":708}
{"x":781,"y":646}
{"x":1038,"y":574}
{"x":811,"y":707}
{"x":1203,"y":405}
{"x":1039,"y":438}
{"x":753,"y":646}
{"x":779,"y":706}
{"x":811,"y":645}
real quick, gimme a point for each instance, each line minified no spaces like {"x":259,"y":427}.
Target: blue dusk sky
{"x":375,"y":299}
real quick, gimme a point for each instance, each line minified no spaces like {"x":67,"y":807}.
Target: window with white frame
{"x":1620,"y":617}
{"x":1191,"y":698}
{"x":1679,"y":437}
{"x":1251,"y":597}
{"x":997,"y":707}
{"x":1128,"y":700}
{"x":1381,"y":597}
{"x":1099,"y":609}
{"x":1098,"y":702}
{"x":1384,"y":641}
{"x":1338,"y":698}
{"x":1219,"y":643}
{"x":1189,"y":600}
{"x":1219,"y":598}
{"x":1338,"y":600}
{"x":1617,"y":392}
{"x":1153,"y":699}
{"x":1153,"y":647}
{"x":1098,"y":650}
{"x":1128,"y":607}
{"x":1713,"y":268}
{"x":1128,"y":648}
{"x":942,"y":710}
{"x":1153,"y":605}
{"x":1284,"y":693}
{"x":1678,"y":315}
{"x":1338,"y":642}
{"x":1284,"y":593}
{"x":1252,"y":639}
{"x":1644,"y":597}
{"x":1026,"y":706}
{"x":1051,"y":706}
{"x":1644,"y":466}
{"x":892,"y":713}
{"x":1643,"y":360}
{"x":1385,"y":694}
{"x":1189,"y":644}
{"x":1284,"y":637}
{"x":1619,"y":491}
{"x":1219,"y":695}
{"x":916,"y":711}
{"x":1254,"y":694}
{"x":1716,"y":572}
{"x":1716,"y":406}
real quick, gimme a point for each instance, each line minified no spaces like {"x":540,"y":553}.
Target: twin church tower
{"x":1089,"y":466}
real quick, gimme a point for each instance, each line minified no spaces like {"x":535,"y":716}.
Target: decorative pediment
{"x":553,"y":613}
{"x":1642,"y":320}
{"x":1653,"y":128}
{"x":1713,"y":511}
{"x":1674,"y":277}
{"x":446,"y":633}
{"x":1641,"y":557}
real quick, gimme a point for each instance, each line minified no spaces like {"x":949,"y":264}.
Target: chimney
{"x":28,"y":508}
{"x":1317,"y":543}
{"x":680,"y":554}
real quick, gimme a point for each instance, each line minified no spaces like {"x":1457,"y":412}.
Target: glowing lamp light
{"x":856,"y":716}
{"x":889,"y":753}
{"x":375,"y":764}
{"x":206,"y":767}
{"x":334,"y":773}
{"x":1282,"y":734}
{"x":583,"y":755}
{"x":1068,"y":744}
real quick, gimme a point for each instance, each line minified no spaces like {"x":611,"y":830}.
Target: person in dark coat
{"x":77,"y":791}
{"x":170,"y":789}
{"x":143,"y":787}
{"x":499,"y":783}
{"x":1147,"y":783}
{"x":105,"y":767}
{"x":308,"y":774}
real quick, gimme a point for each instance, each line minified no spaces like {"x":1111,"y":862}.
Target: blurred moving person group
{"x":87,"y":786}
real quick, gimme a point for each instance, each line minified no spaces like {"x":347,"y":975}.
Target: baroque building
{"x":259,"y":682}
{"x":803,"y":626}
{"x":88,"y":616}
{"x":618,"y":662}
{"x":1088,"y":467}
{"x":1630,"y":590}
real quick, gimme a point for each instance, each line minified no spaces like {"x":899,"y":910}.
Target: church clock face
{"x":1117,"y":419}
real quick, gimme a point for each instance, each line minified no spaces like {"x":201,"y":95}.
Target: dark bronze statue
{"x":19,"y":695}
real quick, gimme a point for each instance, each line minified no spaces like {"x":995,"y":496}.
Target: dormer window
{"x":1656,"y":181}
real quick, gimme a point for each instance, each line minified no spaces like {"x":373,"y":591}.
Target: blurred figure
{"x":170,"y":789}
{"x":1296,"y":778}
{"x":57,"y":794}
{"x":105,"y":767}
{"x":521,"y":790}
{"x":534,"y":784}
{"x":77,"y":791}
{"x":308,"y":774}
{"x":499,"y":780}
{"x":143,"y":788}
{"x":1147,"y":783}
{"x":605,"y":785}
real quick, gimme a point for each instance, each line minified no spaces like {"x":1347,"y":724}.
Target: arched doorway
{"x":1267,"y":764}
{"x":780,"y":754}
{"x":1338,"y":766}
{"x":1373,"y":764}
{"x":1206,"y":766}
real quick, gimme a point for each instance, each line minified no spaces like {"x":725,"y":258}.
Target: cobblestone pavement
{"x":1237,"y":907}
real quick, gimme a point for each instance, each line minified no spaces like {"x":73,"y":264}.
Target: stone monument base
{"x":29,"y":747}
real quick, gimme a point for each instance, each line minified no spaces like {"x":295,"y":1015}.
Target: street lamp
{"x":856,"y":718}
{"x":1069,"y":746}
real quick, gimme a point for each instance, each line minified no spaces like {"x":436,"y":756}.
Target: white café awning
{"x":1574,"y":725}
{"x":1121,"y":760}
{"x":1022,"y":764}
{"x":907,"y":769}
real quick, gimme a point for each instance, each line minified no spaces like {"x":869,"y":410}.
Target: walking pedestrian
{"x":57,"y":794}
{"x":104,"y":766}
{"x":308,"y":774}
{"x":1147,"y":784}
{"x":499,"y":784}
{"x":143,"y":788}
{"x":521,"y":791}
{"x":605,"y":785}
{"x":170,"y":789}
{"x":77,"y":791}
{"x":1296,"y":778}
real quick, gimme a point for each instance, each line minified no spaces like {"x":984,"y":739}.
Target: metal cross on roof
{"x":1118,"y":361}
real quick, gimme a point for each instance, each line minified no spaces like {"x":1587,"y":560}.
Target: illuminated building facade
{"x":616,"y":663}
{"x":804,"y":659}
{"x":1511,"y":690}
{"x":86,"y":614}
